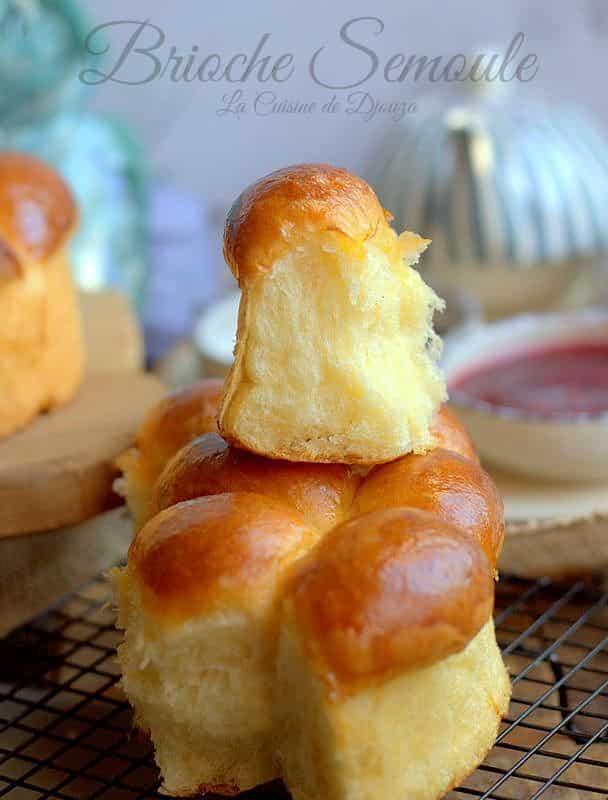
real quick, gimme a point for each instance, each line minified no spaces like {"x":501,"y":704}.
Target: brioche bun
{"x":456,"y":489}
{"x":176,"y":420}
{"x":41,"y":346}
{"x":335,"y":358}
{"x":321,"y":493}
{"x":199,"y":601}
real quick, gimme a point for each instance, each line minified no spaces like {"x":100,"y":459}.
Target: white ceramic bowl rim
{"x":215,"y":329}
{"x":550,"y":327}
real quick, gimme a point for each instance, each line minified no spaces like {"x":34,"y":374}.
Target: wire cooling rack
{"x":65,"y":726}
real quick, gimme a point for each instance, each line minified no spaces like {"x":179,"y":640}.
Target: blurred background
{"x":508,"y":177}
{"x":189,"y":143}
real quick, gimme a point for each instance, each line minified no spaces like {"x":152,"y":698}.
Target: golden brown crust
{"x":10,"y":265}
{"x":175,"y":421}
{"x":423,"y":559}
{"x":289,"y":204}
{"x":37,"y":210}
{"x":210,"y":552}
{"x":456,"y":489}
{"x":450,"y":434}
{"x":321,"y":493}
{"x":387,"y":592}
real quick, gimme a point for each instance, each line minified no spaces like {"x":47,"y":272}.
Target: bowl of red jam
{"x":533,"y":390}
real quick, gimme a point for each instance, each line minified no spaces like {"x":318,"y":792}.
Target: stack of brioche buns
{"x":309,"y":591}
{"x":41,"y":348}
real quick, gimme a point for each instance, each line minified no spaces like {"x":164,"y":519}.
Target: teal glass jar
{"x":42,"y":111}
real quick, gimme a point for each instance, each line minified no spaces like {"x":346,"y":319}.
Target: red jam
{"x":561,"y":380}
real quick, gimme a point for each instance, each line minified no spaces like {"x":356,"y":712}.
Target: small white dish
{"x":572,"y":449}
{"x":215,"y":335}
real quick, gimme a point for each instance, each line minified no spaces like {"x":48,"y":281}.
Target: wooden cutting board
{"x":37,"y":570}
{"x":59,"y":470}
{"x":553,"y":529}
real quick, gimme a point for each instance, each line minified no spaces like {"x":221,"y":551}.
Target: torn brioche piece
{"x":198,"y":602}
{"x":390,"y":683}
{"x":335,"y":357}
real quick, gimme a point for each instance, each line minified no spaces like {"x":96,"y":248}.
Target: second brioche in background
{"x":41,"y":345}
